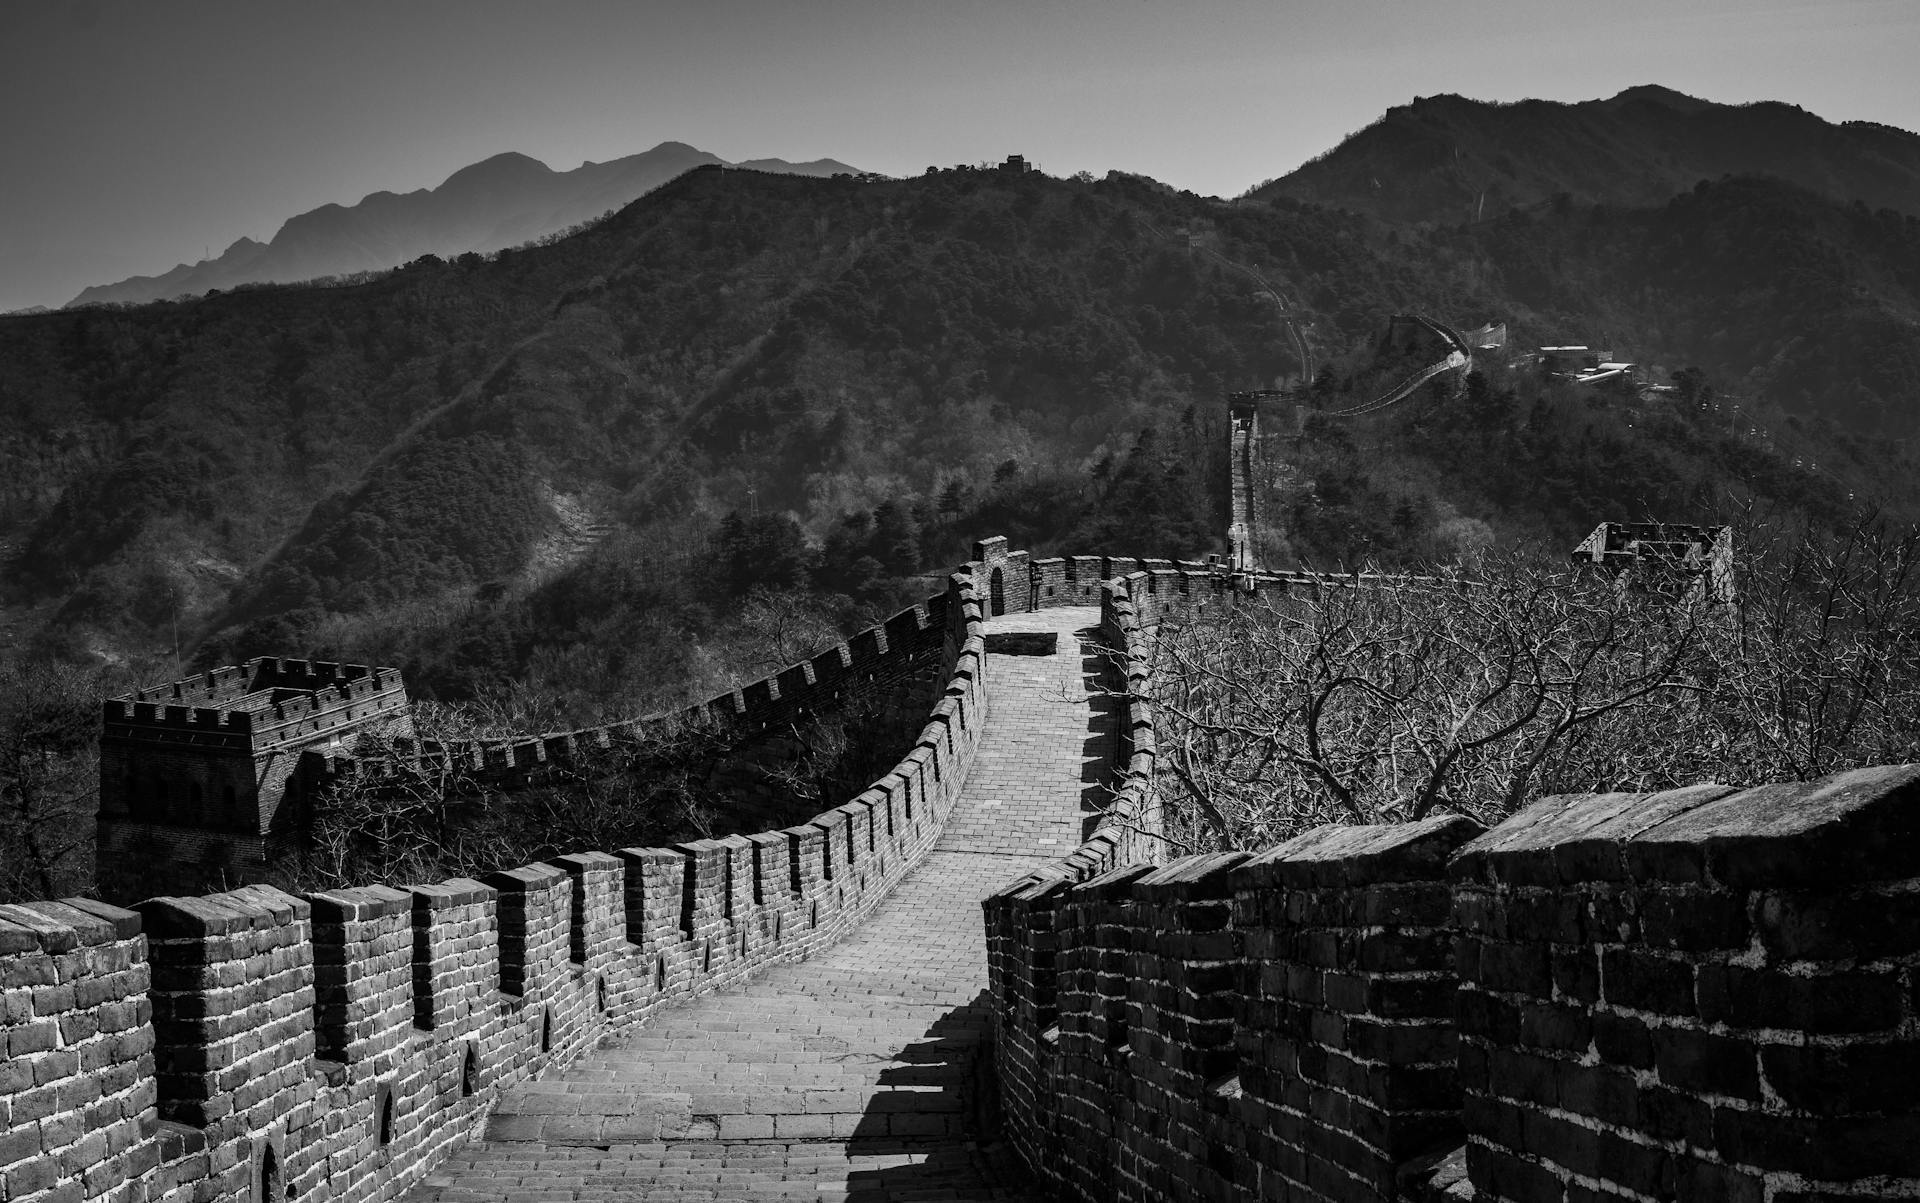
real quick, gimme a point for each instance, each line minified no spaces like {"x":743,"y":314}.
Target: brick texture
{"x":1699,"y":994}
{"x":1232,"y":1026}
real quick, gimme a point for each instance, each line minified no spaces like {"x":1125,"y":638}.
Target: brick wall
{"x":1704,"y":994}
{"x":336,"y":1045}
{"x":1229,"y":1026}
{"x":1346,"y":1034}
{"x":77,"y":1092}
{"x":1700,"y":994}
{"x":899,"y":654}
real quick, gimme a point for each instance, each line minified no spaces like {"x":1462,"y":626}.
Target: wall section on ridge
{"x":336,"y":1046}
{"x":916,"y":644}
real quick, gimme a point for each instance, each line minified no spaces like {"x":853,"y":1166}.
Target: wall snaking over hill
{"x":254,"y":1045}
{"x":1699,"y":994}
{"x":901,"y":652}
{"x":1703,"y":994}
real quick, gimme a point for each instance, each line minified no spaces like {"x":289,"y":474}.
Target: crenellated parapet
{"x":255,"y":1045}
{"x":1231,"y":1025}
{"x":911,"y":644}
{"x":227,"y":767}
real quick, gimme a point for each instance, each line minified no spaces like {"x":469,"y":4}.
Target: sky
{"x":144,"y":133}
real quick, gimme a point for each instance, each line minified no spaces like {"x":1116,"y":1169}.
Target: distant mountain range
{"x":502,"y":201}
{"x":605,"y":442}
{"x":1447,"y":159}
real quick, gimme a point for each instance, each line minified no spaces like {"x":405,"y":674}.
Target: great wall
{"x":982,"y":977}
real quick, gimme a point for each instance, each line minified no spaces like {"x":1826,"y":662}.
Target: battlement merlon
{"x":210,"y":689}
{"x":260,"y":686}
{"x":279,"y":672}
{"x":125,"y":719}
{"x":276,"y":709}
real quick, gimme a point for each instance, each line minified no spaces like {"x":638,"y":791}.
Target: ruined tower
{"x":1644,"y":552}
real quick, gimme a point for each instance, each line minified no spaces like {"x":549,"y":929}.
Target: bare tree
{"x":49,"y":767}
{"x":1823,"y":672}
{"x":1409,"y":694}
{"x":1477,"y":691}
{"x":775,"y":630}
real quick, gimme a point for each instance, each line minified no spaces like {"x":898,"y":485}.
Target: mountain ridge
{"x":758,"y":381}
{"x":1448,"y":158}
{"x":741,"y":367}
{"x":503,"y":200}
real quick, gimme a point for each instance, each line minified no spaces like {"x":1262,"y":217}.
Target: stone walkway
{"x":853,"y":1075}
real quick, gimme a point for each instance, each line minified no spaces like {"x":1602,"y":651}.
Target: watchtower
{"x":1243,"y":409}
{"x":1649,"y":551}
{"x":204,"y":771}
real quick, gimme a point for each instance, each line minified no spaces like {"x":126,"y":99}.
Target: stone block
{"x":1645,"y":981}
{"x":1840,"y":1079}
{"x":1851,"y":827}
{"x":1824,"y":1004}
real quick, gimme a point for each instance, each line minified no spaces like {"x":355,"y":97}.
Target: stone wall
{"x":1232,"y":1026}
{"x":195,"y":784}
{"x":254,"y":1045}
{"x":1698,"y":995}
{"x":901,"y":650}
{"x":77,"y":1089}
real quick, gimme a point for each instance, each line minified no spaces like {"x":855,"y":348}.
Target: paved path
{"x":852,"y":1075}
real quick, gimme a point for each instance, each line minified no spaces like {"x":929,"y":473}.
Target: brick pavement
{"x":852,"y":1075}
{"x":1044,"y":733}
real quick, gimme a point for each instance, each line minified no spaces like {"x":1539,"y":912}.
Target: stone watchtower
{"x":1644,"y":552}
{"x":203,"y":772}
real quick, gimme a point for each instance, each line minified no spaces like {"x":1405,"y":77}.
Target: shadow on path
{"x":933,"y":1134}
{"x":1101,"y":771}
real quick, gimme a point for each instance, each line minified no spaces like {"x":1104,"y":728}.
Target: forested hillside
{"x":639,"y":461}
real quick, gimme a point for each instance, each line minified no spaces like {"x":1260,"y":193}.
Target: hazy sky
{"x":141,"y":134}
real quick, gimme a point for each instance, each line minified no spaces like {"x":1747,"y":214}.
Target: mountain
{"x":503,"y":201}
{"x":588,"y":465}
{"x":1448,"y":159}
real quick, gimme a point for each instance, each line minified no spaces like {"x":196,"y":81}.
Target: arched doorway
{"x":997,"y":593}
